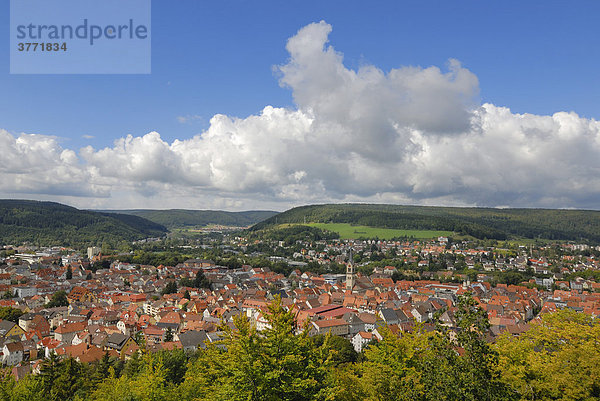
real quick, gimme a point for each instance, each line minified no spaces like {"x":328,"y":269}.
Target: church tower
{"x":350,"y":273}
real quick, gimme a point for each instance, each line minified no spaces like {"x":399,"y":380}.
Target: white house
{"x":362,"y":338}
{"x":24,"y":292}
{"x":12,"y":353}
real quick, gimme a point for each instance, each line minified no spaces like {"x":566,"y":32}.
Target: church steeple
{"x":350,"y":277}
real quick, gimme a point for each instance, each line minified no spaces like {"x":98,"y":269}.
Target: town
{"x":57,"y":301}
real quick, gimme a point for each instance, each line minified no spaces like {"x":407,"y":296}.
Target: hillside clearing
{"x":348,"y":231}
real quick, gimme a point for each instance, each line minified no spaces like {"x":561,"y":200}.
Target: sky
{"x":270,"y":105}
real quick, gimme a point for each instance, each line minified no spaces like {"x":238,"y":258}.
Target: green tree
{"x":135,"y":364}
{"x":59,"y":298}
{"x":9,"y":313}
{"x":148,"y":384}
{"x":474,"y":374}
{"x":279,"y":363}
{"x":26,"y":389}
{"x":7,"y":384}
{"x":70,"y":380}
{"x":201,"y":281}
{"x":340,"y":349}
{"x":391,"y":370}
{"x":49,"y":371}
{"x":207,"y":377}
{"x":69,"y":274}
{"x":170,"y":288}
{"x":62,"y":379}
{"x":113,"y":388}
{"x":175,"y":363}
{"x":439,"y":365}
{"x":557,"y":359}
{"x":186,"y":282}
{"x":169,"y":335}
{"x":103,"y":367}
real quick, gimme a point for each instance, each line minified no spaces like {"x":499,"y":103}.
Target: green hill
{"x":501,"y":224}
{"x":181,"y":218}
{"x":50,"y":223}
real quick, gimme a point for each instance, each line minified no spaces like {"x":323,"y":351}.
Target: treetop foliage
{"x":181,"y":218}
{"x":59,"y":298}
{"x":9,"y":313}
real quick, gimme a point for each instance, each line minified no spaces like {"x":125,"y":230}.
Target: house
{"x":40,"y":324}
{"x":260,"y":321}
{"x":362,"y":338}
{"x":369,"y":319}
{"x":355,"y":324}
{"x":56,"y":315}
{"x":99,"y":339}
{"x":93,"y":354}
{"x":389,"y":316}
{"x":12,"y":353}
{"x":50,"y":345}
{"x":127,"y":327}
{"x":337,"y":327}
{"x":5,"y":278}
{"x":26,"y":320}
{"x":24,"y":292}
{"x":422,"y":312}
{"x":192,"y":339}
{"x":9,"y":329}
{"x":152,"y":308}
{"x":30,"y":350}
{"x":67,"y":331}
{"x":448,"y":319}
{"x":118,"y":342}
{"x":73,"y":351}
{"x":82,"y":337}
{"x":153,"y":334}
{"x":20,"y":372}
{"x":81,"y":294}
{"x":217,"y":338}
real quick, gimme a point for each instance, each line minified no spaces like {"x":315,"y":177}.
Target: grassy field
{"x":348,"y":231}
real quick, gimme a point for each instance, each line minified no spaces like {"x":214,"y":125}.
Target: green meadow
{"x":348,"y":231}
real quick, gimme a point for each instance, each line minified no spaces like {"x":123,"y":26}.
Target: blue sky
{"x":208,"y":58}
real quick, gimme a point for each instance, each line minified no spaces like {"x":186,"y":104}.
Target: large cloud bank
{"x":410,"y":135}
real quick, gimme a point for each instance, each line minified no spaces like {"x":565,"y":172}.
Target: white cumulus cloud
{"x":408,"y":135}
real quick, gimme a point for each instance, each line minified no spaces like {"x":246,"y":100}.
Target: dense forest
{"x":481,"y":223}
{"x":557,"y":359}
{"x":49,"y":223}
{"x":289,"y":235}
{"x":180,"y":218}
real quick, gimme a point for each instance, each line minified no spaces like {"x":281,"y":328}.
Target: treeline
{"x":166,"y":258}
{"x":181,"y":218}
{"x":557,"y":359}
{"x":499,"y":224}
{"x":289,"y":235}
{"x":49,"y":223}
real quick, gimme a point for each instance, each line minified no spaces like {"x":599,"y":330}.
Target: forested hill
{"x":181,"y":218}
{"x":501,"y":224}
{"x":50,"y":223}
